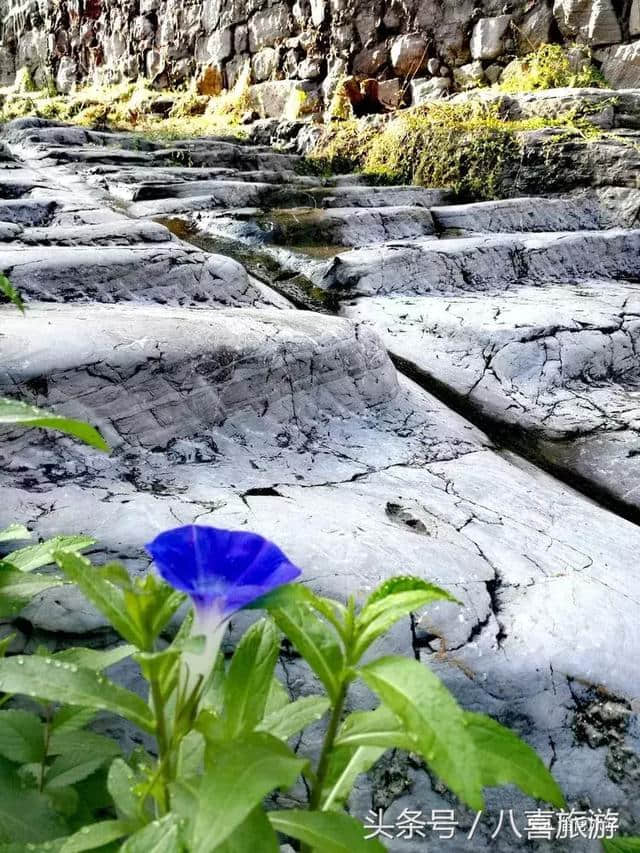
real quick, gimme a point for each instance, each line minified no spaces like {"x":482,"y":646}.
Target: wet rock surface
{"x":226,"y":404}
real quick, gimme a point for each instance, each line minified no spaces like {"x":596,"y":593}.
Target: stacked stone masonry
{"x":306,"y":44}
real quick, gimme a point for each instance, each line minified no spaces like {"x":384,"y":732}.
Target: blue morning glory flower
{"x":221,"y":571}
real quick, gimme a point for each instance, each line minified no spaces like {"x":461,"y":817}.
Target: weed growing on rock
{"x":551,"y":67}
{"x":465,"y":146}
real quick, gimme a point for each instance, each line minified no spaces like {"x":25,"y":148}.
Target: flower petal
{"x":230,"y":568}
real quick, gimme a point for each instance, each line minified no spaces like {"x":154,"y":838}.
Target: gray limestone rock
{"x":589,"y":21}
{"x":296,"y":424}
{"x":487,"y":39}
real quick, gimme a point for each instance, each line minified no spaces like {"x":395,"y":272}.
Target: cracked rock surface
{"x":225,"y":404}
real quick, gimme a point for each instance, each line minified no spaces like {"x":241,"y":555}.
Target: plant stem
{"x":47,"y":738}
{"x":162,"y":740}
{"x":327,"y":746}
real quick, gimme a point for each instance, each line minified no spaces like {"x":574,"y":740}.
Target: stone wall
{"x":443,"y":43}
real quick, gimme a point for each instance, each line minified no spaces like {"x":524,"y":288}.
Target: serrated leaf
{"x":380,"y":727}
{"x":39,"y":677}
{"x":69,"y":718}
{"x":249,"y":677}
{"x":292,"y":718}
{"x":18,"y":588}
{"x":330,"y":832}
{"x":121,"y":781}
{"x":17,"y":413}
{"x":26,"y":815}
{"x":95,"y":658}
{"x":79,"y":754}
{"x":434,"y":722}
{"x":161,"y":836}
{"x":8,"y":290}
{"x":83,"y":741}
{"x":505,"y":759}
{"x":36,"y":556}
{"x":246,"y":770}
{"x":345,"y":765}
{"x":254,"y":833}
{"x":191,"y":754}
{"x":21,"y":736}
{"x":316,"y":641}
{"x":14,"y":532}
{"x":105,"y":595}
{"x":96,"y":835}
{"x":394,"y":599}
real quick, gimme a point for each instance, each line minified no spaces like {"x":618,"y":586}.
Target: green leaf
{"x":105,"y":595}
{"x":93,"y":658}
{"x":14,"y":532}
{"x":278,"y":697}
{"x":121,"y":781}
{"x":392,"y":600}
{"x":505,"y":759}
{"x":21,"y":737}
{"x":294,"y":717}
{"x":191,"y":754}
{"x":316,"y":641}
{"x":18,"y":588}
{"x":294,"y":594}
{"x":17,"y":413}
{"x":96,"y":835}
{"x":8,"y":290}
{"x":69,"y":719}
{"x":80,"y":753}
{"x":36,"y":556}
{"x":245,"y":771}
{"x":83,"y":741}
{"x":249,"y":678}
{"x":254,"y":833}
{"x":374,"y":728}
{"x":330,"y":832}
{"x":161,"y":836}
{"x":622,"y":845}
{"x":26,"y":815}
{"x":345,"y":765}
{"x":69,"y":769}
{"x":54,"y":681}
{"x":434,"y":722}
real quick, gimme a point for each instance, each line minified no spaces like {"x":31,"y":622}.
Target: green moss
{"x":550,"y":67}
{"x":24,"y":82}
{"x":464,"y":146}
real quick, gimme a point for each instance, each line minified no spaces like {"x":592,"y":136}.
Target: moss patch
{"x":552,"y":67}
{"x":463,"y":146}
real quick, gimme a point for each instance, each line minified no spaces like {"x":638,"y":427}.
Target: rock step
{"x":311,"y":226}
{"x":123,"y":232}
{"x":169,"y":272}
{"x":556,"y":363}
{"x":26,"y":212}
{"x":520,"y":214}
{"x":481,"y":263}
{"x":156,"y":374}
{"x":13,"y":188}
{"x":203,"y":195}
{"x":123,"y":184}
{"x":230,"y":155}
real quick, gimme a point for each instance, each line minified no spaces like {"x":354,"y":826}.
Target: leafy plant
{"x":17,"y":413}
{"x":8,"y":290}
{"x":221,"y":730}
{"x":551,"y":66}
